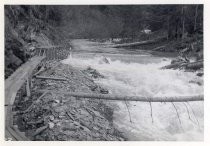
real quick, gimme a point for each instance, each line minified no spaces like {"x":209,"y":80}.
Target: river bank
{"x":57,"y":117}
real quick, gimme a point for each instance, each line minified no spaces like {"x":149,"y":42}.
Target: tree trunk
{"x":195,"y":20}
{"x":168,"y":28}
{"x":183,"y":22}
{"x":128,"y":98}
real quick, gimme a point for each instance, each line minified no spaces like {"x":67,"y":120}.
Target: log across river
{"x":137,"y":73}
{"x":128,"y":98}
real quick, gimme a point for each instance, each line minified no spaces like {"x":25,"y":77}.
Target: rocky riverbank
{"x":49,"y":116}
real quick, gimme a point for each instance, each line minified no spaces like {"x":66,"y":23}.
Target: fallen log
{"x":50,"y":78}
{"x":158,"y":48}
{"x":191,"y":65}
{"x":129,"y":98}
{"x":138,"y":43}
{"x":194,"y":65}
{"x":70,"y":116}
{"x":40,"y":130}
{"x":36,"y":122}
{"x":173,"y":66}
{"x":48,"y":47}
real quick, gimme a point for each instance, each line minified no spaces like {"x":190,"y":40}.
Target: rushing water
{"x":140,"y":74}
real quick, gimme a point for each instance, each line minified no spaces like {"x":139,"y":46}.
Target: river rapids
{"x":140,"y":74}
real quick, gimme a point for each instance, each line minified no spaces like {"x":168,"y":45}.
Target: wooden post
{"x":28,"y":87}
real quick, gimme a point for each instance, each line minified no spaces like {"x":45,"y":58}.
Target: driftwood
{"x":50,"y":78}
{"x":191,"y":65}
{"x":86,"y":129}
{"x":158,"y":48}
{"x":41,"y":70}
{"x":40,"y":130}
{"x":194,"y":65}
{"x":36,"y":122}
{"x":31,"y":106}
{"x":128,"y":98}
{"x":173,"y":66}
{"x":70,"y":116}
{"x":51,"y":70}
{"x":48,"y":47}
{"x":93,"y":113}
{"x":138,"y":43}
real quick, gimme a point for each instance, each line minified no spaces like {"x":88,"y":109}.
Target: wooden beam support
{"x":28,"y":92}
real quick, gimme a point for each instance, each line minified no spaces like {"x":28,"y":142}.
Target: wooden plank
{"x":129,"y":98}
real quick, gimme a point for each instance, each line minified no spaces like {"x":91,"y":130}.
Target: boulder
{"x":104,"y":60}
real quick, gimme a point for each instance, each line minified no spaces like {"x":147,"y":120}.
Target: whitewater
{"x":140,"y":74}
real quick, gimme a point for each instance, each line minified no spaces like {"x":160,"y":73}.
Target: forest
{"x":179,"y":25}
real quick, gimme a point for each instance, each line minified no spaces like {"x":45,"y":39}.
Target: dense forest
{"x":128,"y":21}
{"x":28,"y":26}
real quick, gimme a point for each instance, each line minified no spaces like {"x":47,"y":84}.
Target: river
{"x":137,"y":72}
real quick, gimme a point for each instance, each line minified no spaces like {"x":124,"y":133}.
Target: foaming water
{"x":144,"y":78}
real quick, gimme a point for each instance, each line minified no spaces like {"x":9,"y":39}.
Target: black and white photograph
{"x":104,"y":72}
